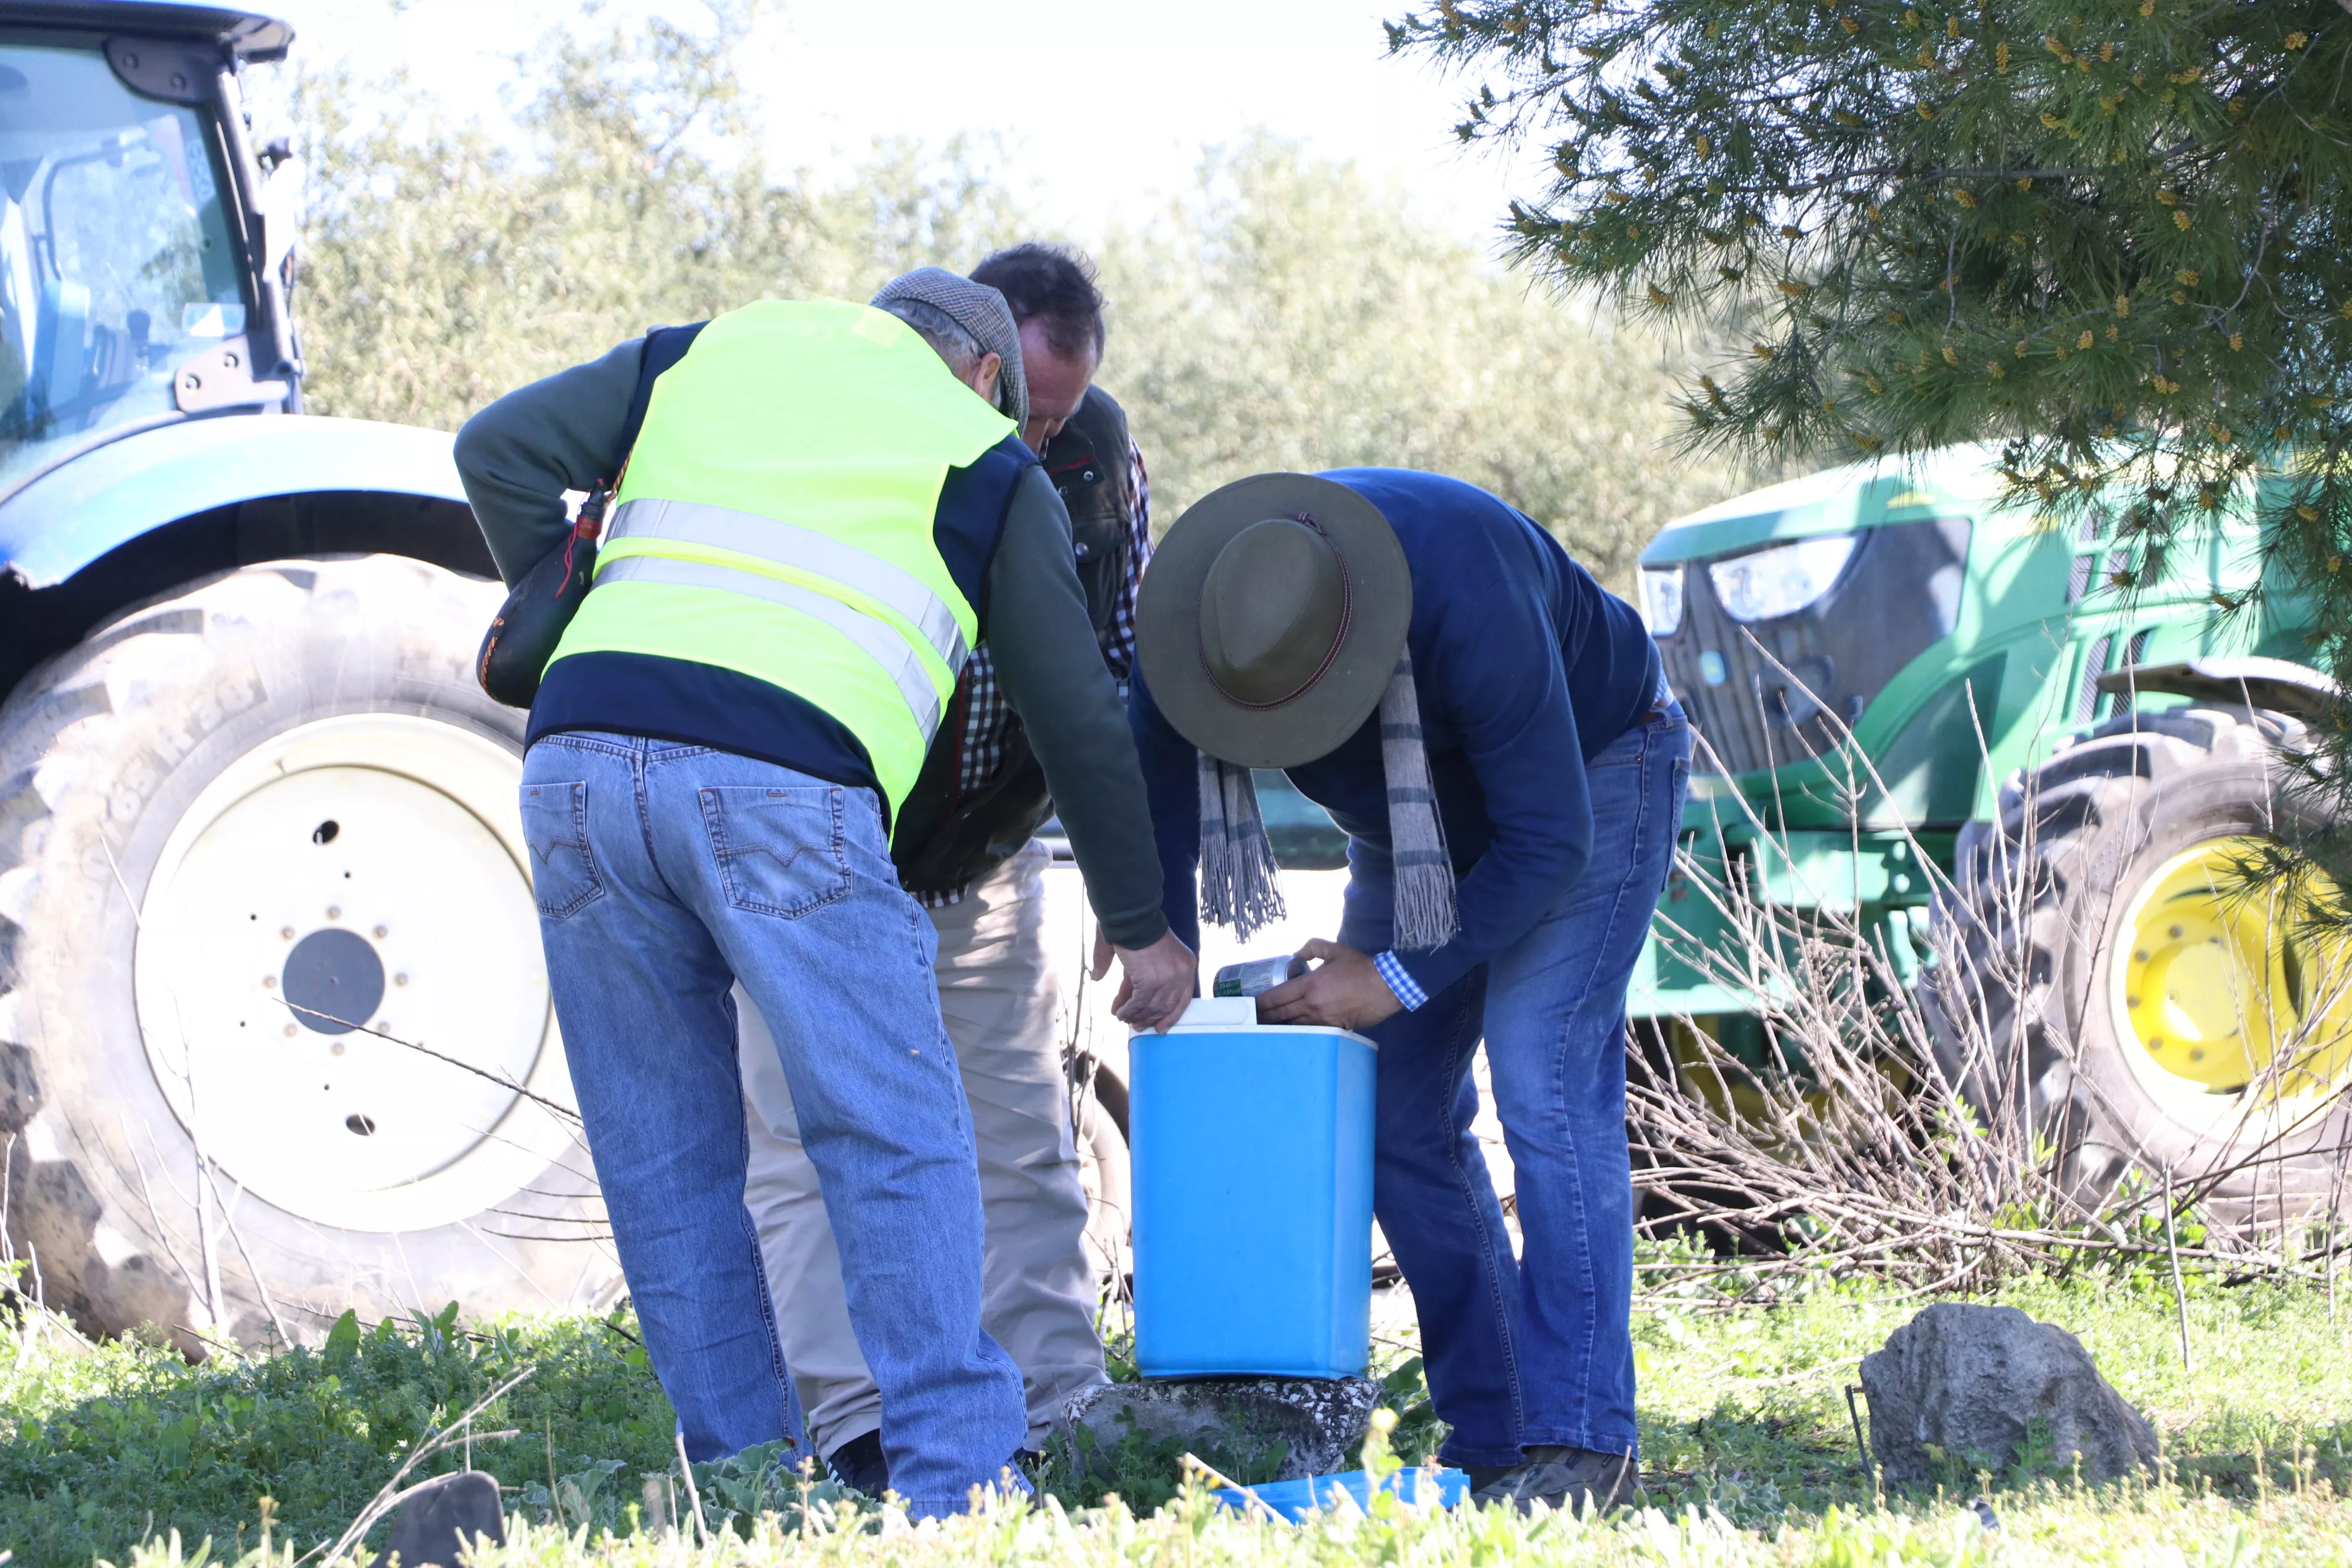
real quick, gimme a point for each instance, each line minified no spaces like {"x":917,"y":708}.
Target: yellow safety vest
{"x":776,"y":517}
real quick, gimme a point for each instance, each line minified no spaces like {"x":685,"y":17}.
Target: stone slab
{"x":1322,"y":1421}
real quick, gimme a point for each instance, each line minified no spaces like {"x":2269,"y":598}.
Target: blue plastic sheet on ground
{"x":1295,"y":1499}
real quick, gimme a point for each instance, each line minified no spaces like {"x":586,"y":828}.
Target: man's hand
{"x":1156,"y":982}
{"x":1346,"y":992}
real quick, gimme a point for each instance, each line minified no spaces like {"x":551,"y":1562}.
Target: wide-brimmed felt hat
{"x":1272,"y":617}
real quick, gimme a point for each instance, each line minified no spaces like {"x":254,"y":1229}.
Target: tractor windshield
{"x":115,"y":262}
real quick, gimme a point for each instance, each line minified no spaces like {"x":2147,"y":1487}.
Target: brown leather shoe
{"x":1562,"y":1478}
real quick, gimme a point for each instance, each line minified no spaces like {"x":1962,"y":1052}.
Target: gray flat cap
{"x":980,"y":310}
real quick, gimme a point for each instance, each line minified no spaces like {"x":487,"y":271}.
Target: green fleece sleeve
{"x":519,"y":454}
{"x":1052,"y":669}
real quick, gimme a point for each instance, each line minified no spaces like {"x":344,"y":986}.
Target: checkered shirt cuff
{"x":1408,"y":990}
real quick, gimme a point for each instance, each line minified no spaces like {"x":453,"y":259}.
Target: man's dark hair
{"x":1051,"y":284}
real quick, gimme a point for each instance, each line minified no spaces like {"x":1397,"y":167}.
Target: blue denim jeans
{"x":1538,"y":1352}
{"x":664,"y":873}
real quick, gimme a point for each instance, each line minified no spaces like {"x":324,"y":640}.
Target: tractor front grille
{"x":1768,"y":693}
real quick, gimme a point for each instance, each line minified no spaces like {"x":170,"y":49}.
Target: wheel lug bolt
{"x":290,"y":1031}
{"x":383,"y":931}
{"x":400,"y":980}
{"x":269,"y":983}
{"x":334,"y":913}
{"x":335,"y":1049}
{"x":288,"y":933}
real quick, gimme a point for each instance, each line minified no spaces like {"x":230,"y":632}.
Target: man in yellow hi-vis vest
{"x":817,"y":522}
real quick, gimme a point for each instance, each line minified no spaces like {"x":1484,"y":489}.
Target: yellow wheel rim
{"x":2213,"y":981}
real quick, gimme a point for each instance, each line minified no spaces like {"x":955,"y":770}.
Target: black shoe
{"x":442,"y":1517}
{"x":1562,"y":1478}
{"x":858,"y":1465}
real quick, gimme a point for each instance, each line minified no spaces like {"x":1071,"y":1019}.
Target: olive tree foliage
{"x":444,"y":265}
{"x":2112,"y":234}
{"x":1287,"y":313}
{"x":1292,"y":313}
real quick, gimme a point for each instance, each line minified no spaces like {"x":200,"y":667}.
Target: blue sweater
{"x":1527,"y":668}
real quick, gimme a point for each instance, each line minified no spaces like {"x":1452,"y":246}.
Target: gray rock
{"x":1320,"y":1420}
{"x":1980,"y":1384}
{"x":439,"y":1521}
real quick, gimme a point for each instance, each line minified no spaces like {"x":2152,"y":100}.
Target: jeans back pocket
{"x":563,"y":876}
{"x":779,"y":848}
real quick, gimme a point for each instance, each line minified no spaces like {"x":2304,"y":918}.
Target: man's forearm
{"x":1052,"y":670}
{"x":519,"y":454}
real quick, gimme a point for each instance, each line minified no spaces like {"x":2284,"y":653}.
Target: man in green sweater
{"x":816,"y":526}
{"x":966,"y":849}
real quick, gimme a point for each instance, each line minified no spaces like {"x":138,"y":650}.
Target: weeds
{"x":2051,"y":1522}
{"x":101,"y":1446}
{"x":1742,"y":1418}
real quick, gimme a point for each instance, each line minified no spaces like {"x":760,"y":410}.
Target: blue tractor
{"x":275,"y":1038}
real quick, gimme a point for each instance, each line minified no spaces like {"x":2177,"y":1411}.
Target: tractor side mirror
{"x":282,"y":218}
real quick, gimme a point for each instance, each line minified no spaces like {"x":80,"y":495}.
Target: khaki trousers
{"x":997,"y":995}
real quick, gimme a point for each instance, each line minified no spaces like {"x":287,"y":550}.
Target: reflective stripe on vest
{"x":768,"y":539}
{"x":876,"y":638}
{"x":777,"y":518}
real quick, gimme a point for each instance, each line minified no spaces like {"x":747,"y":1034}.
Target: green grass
{"x":1745,"y":1429}
{"x":100,"y":1447}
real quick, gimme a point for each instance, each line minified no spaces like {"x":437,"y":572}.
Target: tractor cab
{"x":268,"y":915}
{"x":145,"y":254}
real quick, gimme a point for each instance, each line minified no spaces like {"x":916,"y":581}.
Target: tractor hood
{"x":1783,"y":614}
{"x":1952,"y":479}
{"x":251,"y":36}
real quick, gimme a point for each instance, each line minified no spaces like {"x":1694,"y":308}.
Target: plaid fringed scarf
{"x":1426,"y":912}
{"x":1238,"y":887}
{"x":1237,"y":871}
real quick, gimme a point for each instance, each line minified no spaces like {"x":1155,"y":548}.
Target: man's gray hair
{"x":948,"y":337}
{"x":962,"y":320}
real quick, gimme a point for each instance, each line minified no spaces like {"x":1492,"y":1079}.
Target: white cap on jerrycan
{"x":1219,"y":1013}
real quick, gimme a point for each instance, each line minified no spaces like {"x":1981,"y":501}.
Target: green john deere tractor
{"x":1891,"y":666}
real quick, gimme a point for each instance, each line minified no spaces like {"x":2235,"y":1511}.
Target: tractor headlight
{"x":1783,"y":580}
{"x":1661,"y":599}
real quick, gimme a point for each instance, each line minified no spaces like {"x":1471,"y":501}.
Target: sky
{"x":1097,"y":107}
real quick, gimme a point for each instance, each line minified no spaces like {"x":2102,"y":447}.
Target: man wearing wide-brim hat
{"x":1492,"y":731}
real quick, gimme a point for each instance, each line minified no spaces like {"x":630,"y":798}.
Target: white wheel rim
{"x":366,"y":870}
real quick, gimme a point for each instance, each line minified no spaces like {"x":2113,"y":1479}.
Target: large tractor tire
{"x":275,"y":1033}
{"x":2110,"y":981}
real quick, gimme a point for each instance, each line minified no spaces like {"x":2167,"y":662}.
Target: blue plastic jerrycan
{"x":1253,"y":1183}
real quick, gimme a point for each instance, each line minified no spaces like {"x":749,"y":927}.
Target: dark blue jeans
{"x":663,"y":874}
{"x":1538,"y":1352}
